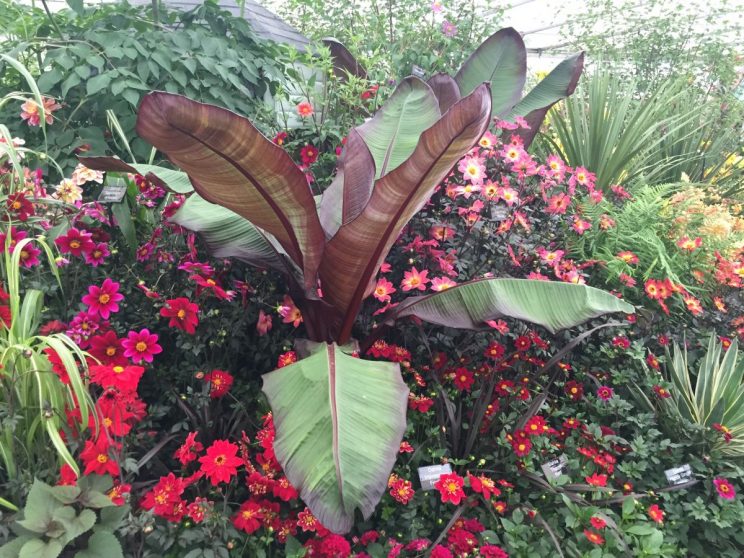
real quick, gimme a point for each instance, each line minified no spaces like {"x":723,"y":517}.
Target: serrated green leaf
{"x":97,"y":83}
{"x":102,"y":545}
{"x":111,"y":517}
{"x":36,"y":548}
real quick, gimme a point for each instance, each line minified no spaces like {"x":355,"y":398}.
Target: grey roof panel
{"x":266,"y":24}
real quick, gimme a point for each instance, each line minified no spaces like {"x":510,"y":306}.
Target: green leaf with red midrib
{"x":339,"y":421}
{"x":552,"y":304}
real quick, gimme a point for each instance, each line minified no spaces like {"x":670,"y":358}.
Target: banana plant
{"x":339,"y":419}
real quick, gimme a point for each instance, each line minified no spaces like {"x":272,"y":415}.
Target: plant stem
{"x":51,"y":19}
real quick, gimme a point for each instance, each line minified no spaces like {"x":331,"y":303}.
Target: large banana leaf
{"x":173,"y":180}
{"x":339,"y":422}
{"x":557,"y":85}
{"x":228,"y":235}
{"x":501,"y":60}
{"x":355,"y":253}
{"x":445,"y":89}
{"x":393,"y":133}
{"x":344,"y":63}
{"x":553,"y":305}
{"x":232,"y":164}
{"x":351,"y":188}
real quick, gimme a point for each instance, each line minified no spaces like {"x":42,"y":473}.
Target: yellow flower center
{"x":75,"y":244}
{"x":102,"y":458}
{"x":118,"y":369}
{"x":104,"y":298}
{"x":181,"y":314}
{"x":141,"y":346}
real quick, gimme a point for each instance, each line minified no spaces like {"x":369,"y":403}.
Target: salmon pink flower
{"x":221,"y":462}
{"x":582,"y":177}
{"x":414,"y":279}
{"x":305,"y":109}
{"x":289,"y":312}
{"x":31,"y":112}
{"x":558,"y":204}
{"x":725,"y":489}
{"x":580,"y":226}
{"x":473,"y":169}
{"x":383,"y":290}
{"x":440,"y":284}
{"x":103,"y":301}
{"x":628,"y":257}
{"x":450,"y":488}
{"x":183,"y":314}
{"x":689,"y":244}
{"x":264,"y":324}
{"x":141,"y":345}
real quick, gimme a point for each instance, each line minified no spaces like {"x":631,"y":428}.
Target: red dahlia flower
{"x":124,"y":378}
{"x":450,"y":488}
{"x":656,"y":513}
{"x":96,"y":458}
{"x":220,"y":383}
{"x":594,"y":538}
{"x":221,"y":462}
{"x":598,"y":522}
{"x":182,"y":313}
{"x":402,"y":491}
{"x":483,"y":485}
{"x":188,"y":451}
{"x":248,"y":517}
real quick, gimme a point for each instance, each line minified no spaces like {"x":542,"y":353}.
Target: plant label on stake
{"x":430,"y":474}
{"x":555,"y":467}
{"x":113,"y":192}
{"x":679,"y":475}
